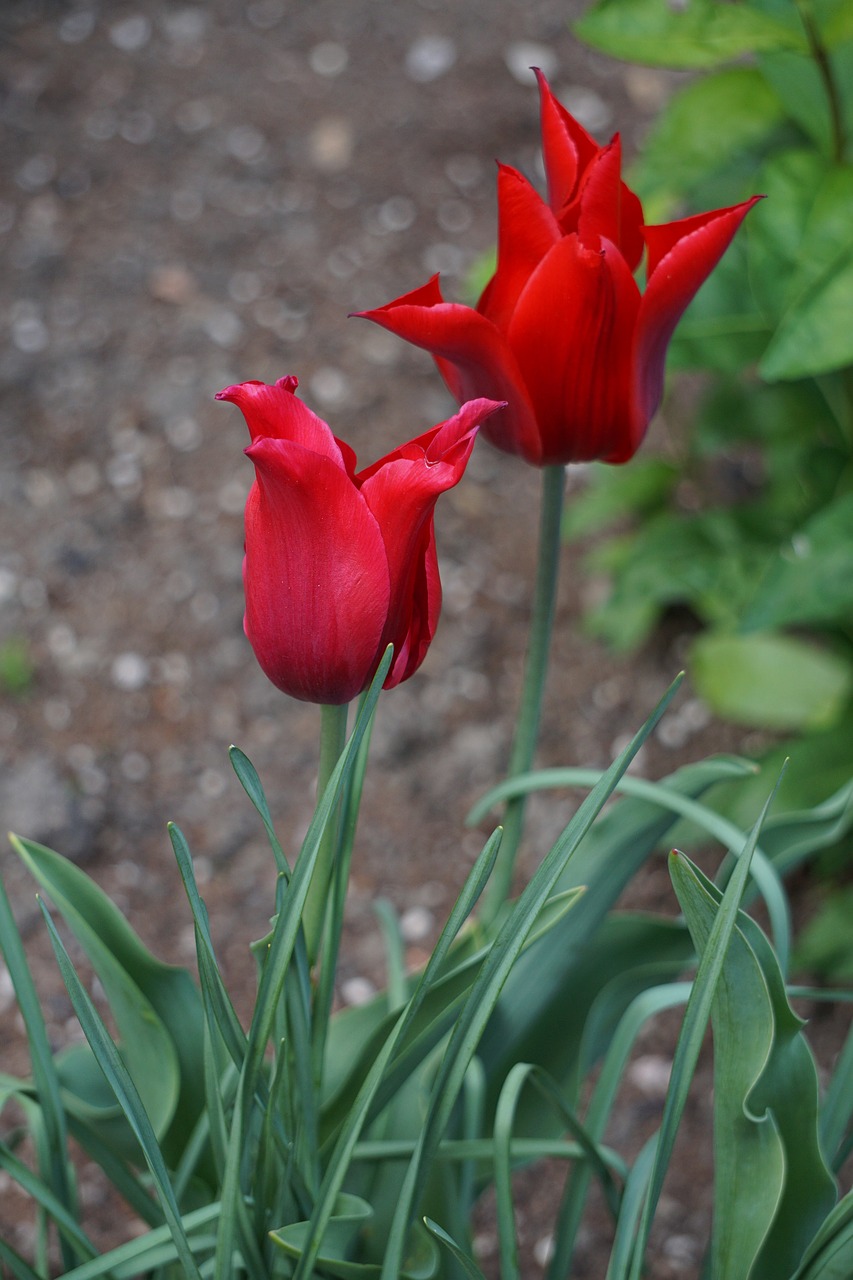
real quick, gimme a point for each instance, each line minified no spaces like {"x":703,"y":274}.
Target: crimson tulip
{"x":562,"y":331}
{"x":339,"y":564}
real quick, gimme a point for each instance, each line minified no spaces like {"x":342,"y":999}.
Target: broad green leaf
{"x":156,"y":1006}
{"x":816,"y":331}
{"x":790,"y":180}
{"x":706,"y":129}
{"x":724,"y":328}
{"x":825,"y":946}
{"x":351,"y":1217}
{"x":612,"y":493}
{"x":787,"y":1090}
{"x":770,"y":680}
{"x":124,"y":1087}
{"x":801,"y":87}
{"x":699,"y":33}
{"x":810,"y":580}
{"x":749,"y":1161}
{"x":830,"y":1254}
{"x":693,"y":1027}
{"x":837,"y":1108}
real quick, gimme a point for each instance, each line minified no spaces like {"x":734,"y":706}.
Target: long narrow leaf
{"x":339,"y":1161}
{"x":128,"y":1097}
{"x":689,"y":1043}
{"x":467,"y":1264}
{"x":58,"y":1171}
{"x":600,"y":1106}
{"x":44,"y":1196}
{"x":487,"y":987}
{"x":154,"y":1248}
{"x":838,"y":1104}
{"x":289,"y":922}
{"x":251,"y":784}
{"x":729,"y":835}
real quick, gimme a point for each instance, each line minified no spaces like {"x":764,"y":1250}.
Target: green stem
{"x":821,"y":57}
{"x":535,"y":672}
{"x":333,"y":733}
{"x":325,"y":990}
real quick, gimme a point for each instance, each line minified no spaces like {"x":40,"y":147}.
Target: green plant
{"x":750,"y":523}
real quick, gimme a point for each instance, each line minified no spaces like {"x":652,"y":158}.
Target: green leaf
{"x":487,"y":987}
{"x":472,"y":1271}
{"x":693,"y":1028}
{"x":830,"y":1254}
{"x":810,"y":579}
{"x":788,"y":1091}
{"x":704,"y":131}
{"x":789,"y":180}
{"x":123,"y":1086}
{"x":156,"y":1006}
{"x":816,"y":331}
{"x":825,"y":946}
{"x":613,"y":493}
{"x":723,"y":328}
{"x":770,"y":680}
{"x":749,"y":1161}
{"x":352,"y":1215}
{"x":699,"y":33}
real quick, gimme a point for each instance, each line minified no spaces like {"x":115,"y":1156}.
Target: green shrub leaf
{"x":770,"y":680}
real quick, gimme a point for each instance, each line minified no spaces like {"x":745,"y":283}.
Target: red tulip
{"x":562,"y":332}
{"x":340,"y":563}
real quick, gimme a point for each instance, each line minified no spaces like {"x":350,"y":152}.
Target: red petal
{"x":572,"y":334}
{"x":401,"y":491}
{"x":315,"y":573}
{"x":567,"y":148}
{"x":527,"y":229}
{"x":275,"y":413}
{"x":473,"y":358}
{"x":681,"y":257}
{"x":608,"y":208}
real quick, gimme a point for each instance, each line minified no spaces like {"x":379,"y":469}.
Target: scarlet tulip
{"x":339,"y":564}
{"x":561,"y":331}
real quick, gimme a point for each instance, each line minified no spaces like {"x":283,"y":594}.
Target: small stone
{"x":650,"y":1074}
{"x":429,"y":57}
{"x":416,"y":924}
{"x":357,"y":991}
{"x":131,"y":34}
{"x":328,"y":58}
{"x":523,"y":55}
{"x":172,"y":284}
{"x":130,"y":672}
{"x":330,"y":144}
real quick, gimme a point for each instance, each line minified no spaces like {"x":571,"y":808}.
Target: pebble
{"x":130,"y":672}
{"x":650,"y":1074}
{"x":131,"y":34}
{"x":357,"y":991}
{"x":587,"y":106}
{"x":328,"y":58}
{"x":330,"y":144}
{"x":329,"y":386}
{"x":429,"y":57}
{"x":521,"y":56}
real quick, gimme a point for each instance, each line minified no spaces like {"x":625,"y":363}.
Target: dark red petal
{"x":275,"y":413}
{"x":572,"y":335}
{"x":315,"y":573}
{"x":527,"y":229}
{"x":401,"y":491}
{"x":608,"y":208}
{"x":681,"y":257}
{"x":567,"y":148}
{"x":473,"y":358}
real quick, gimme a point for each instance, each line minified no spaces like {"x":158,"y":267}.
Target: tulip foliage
{"x":749,"y":519}
{"x":315,"y":1141}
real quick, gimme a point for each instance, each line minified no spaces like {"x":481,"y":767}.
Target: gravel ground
{"x":194,"y":196}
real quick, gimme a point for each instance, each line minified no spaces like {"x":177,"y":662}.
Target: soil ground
{"x":194,"y":196}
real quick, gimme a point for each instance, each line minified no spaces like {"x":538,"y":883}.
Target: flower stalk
{"x":333,"y":732}
{"x":535,"y":675}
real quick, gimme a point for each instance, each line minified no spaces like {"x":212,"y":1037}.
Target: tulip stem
{"x":535,"y":673}
{"x":333,"y":734}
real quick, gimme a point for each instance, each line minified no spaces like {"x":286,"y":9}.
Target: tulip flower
{"x":562,"y":331}
{"x":338,"y":563}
